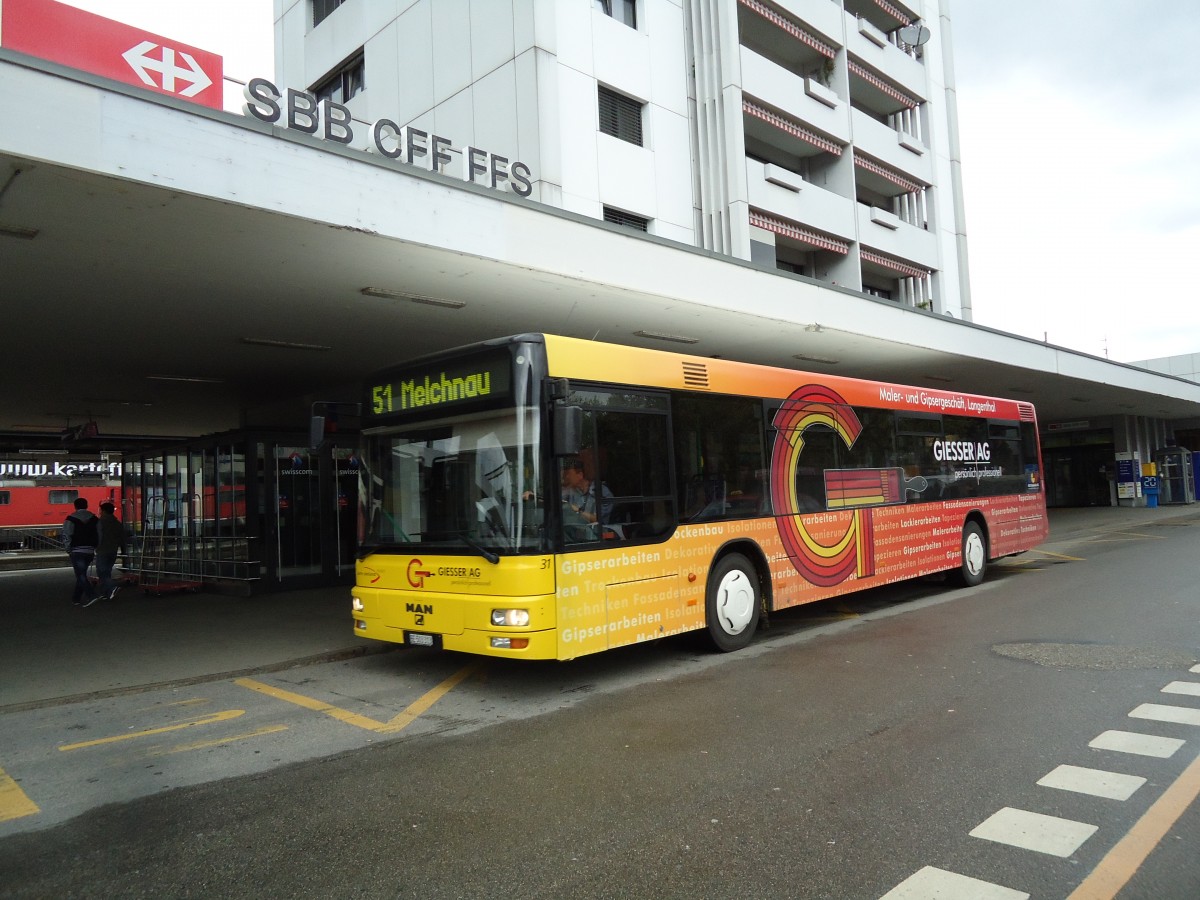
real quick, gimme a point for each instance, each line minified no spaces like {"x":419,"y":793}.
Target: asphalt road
{"x":890,"y":745}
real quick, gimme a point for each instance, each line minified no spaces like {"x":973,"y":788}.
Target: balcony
{"x":885,"y":16}
{"x":785,"y":195}
{"x":884,"y":233}
{"x":879,"y":70}
{"x":893,"y":149}
{"x":821,"y":18}
{"x":804,"y":100}
{"x":802,"y":42}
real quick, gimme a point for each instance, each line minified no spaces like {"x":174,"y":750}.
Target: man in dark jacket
{"x":80,"y":534}
{"x":110,"y":545}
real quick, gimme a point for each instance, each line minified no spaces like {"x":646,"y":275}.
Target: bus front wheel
{"x":732,"y":604}
{"x":973,"y":565}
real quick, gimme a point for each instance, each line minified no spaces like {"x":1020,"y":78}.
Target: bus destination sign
{"x":426,"y":389}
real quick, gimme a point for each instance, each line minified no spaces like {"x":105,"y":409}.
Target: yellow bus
{"x":544,"y":497}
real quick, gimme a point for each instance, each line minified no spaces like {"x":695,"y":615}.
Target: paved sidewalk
{"x":1065,"y":523}
{"x":52,"y":651}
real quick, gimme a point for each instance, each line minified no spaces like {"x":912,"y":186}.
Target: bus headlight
{"x":510,"y":617}
{"x":356,"y":604}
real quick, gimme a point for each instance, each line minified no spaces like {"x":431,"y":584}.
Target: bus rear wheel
{"x":732,"y":603}
{"x":973,"y":565}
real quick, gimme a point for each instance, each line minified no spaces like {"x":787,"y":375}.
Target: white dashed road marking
{"x":1191,"y":688}
{"x":1062,"y":837}
{"x":1180,"y":715}
{"x":938,"y":884}
{"x":1141,"y":744}
{"x":1034,"y":831}
{"x":1095,"y":782}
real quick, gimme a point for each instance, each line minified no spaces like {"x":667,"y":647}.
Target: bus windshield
{"x":462,"y":484}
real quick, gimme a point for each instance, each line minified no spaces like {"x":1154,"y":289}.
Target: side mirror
{"x":568,"y":430}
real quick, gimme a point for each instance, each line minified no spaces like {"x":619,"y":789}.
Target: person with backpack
{"x":80,"y":534}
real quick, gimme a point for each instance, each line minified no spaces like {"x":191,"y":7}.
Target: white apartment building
{"x":807,"y":135}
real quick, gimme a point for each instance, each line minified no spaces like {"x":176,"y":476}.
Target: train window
{"x":63,"y":497}
{"x":4,"y":498}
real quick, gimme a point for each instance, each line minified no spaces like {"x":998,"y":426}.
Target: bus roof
{"x":574,"y":358}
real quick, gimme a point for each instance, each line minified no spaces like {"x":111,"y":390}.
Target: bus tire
{"x":732,"y":603}
{"x":973,"y":564}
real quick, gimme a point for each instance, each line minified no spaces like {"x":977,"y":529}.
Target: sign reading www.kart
{"x":64,"y":34}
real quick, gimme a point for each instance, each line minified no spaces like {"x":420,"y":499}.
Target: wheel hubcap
{"x":973,"y":553}
{"x":735,"y":602}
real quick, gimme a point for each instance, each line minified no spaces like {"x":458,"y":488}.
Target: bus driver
{"x":579,"y":493}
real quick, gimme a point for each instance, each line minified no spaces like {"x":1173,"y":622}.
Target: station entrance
{"x":248,"y":511}
{"x":1079,"y":467}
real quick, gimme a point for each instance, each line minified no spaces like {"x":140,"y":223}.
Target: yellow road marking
{"x":1123,"y":860}
{"x":205,"y":720}
{"x":1060,"y":555}
{"x":1027,"y":562}
{"x":14,"y":803}
{"x":396,"y":723}
{"x":200,"y":745}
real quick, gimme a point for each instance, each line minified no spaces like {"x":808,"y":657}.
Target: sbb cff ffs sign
{"x":64,"y":34}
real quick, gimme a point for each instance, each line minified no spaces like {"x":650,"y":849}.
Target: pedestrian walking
{"x":80,"y":534}
{"x":109,"y":546}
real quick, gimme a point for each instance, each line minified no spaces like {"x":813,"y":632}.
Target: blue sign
{"x":1127,"y":470}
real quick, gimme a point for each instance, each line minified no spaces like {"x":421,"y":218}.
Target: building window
{"x":322,"y":9}
{"x":795,"y":268}
{"x":620,"y":116}
{"x":624,"y":11}
{"x":629,"y":220}
{"x":346,"y":82}
{"x":62,"y":498}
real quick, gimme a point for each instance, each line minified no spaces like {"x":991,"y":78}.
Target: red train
{"x":30,"y":511}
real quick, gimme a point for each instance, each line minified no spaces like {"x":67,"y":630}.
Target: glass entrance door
{"x":297,"y":511}
{"x":344,"y":509}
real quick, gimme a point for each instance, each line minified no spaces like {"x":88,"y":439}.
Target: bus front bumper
{"x":456,"y":622}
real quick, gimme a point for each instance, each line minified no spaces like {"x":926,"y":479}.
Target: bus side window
{"x":720,"y":459}
{"x":916,"y":434}
{"x":636,"y":470}
{"x":625,"y":445}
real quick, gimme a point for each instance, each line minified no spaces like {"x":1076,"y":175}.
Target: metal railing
{"x":30,"y":538}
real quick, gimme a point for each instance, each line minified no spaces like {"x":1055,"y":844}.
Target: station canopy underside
{"x":154,"y":310}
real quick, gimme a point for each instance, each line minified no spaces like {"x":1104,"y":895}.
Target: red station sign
{"x":64,"y":34}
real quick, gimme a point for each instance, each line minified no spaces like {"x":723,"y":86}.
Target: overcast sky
{"x":1080,"y":134}
{"x":1080,"y":138}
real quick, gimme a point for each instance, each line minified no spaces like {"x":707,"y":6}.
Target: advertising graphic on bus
{"x":543,"y":497}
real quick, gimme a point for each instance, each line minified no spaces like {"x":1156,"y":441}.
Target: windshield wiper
{"x":490,"y":555}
